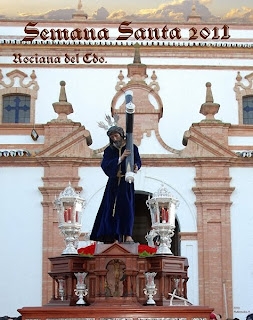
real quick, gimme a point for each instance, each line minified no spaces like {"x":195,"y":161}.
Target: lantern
{"x":69,"y":207}
{"x":162,"y":208}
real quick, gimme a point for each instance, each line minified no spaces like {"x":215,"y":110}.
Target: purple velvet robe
{"x":115,"y":217}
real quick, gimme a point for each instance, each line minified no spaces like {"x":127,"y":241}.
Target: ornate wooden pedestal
{"x":117,"y":313}
{"x":115,"y":282}
{"x":116,"y":272}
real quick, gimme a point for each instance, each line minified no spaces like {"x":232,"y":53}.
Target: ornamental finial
{"x":137,"y":56}
{"x":63,"y":96}
{"x":79,"y":7}
{"x":209,"y":108}
{"x":209,"y":95}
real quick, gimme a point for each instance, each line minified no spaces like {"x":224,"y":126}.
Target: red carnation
{"x":87,"y":251}
{"x":145,"y":250}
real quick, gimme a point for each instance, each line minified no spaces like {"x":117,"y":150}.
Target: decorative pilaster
{"x":213,"y":193}
{"x":207,"y":144}
{"x":66,"y":146}
{"x":57,"y":174}
{"x":207,"y":141}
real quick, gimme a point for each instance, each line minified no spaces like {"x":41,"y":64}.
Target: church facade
{"x":193,"y":125}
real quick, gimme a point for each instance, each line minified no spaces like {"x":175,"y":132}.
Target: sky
{"x":140,"y":10}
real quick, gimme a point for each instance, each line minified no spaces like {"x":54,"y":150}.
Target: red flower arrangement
{"x":87,"y":251}
{"x":145,"y":251}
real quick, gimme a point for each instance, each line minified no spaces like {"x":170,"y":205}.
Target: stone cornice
{"x":20,"y":129}
{"x":241,"y":130}
{"x":147,"y":161}
{"x":200,"y":45}
{"x":222,"y":191}
{"x":188,"y":236}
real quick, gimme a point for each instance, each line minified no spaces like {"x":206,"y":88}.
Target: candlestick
{"x":65,"y":215}
{"x":167,"y":216}
{"x":69,"y":215}
{"x":163,"y":216}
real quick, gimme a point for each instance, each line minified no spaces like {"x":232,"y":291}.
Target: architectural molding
{"x":241,"y":91}
{"x":31,"y":88}
{"x":73,"y":144}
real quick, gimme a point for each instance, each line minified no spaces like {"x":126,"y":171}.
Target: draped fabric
{"x":115,"y":216}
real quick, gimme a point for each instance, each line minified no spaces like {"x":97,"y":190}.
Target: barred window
{"x":247,"y":109}
{"x":16,"y":108}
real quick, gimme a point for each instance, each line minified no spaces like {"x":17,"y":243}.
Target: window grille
{"x":16,"y":108}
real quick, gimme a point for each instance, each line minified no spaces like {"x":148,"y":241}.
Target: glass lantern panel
{"x":153,"y":213}
{"x":78,"y":206}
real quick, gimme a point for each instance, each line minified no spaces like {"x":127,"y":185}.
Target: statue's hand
{"x":136,"y":168}
{"x":125,"y":154}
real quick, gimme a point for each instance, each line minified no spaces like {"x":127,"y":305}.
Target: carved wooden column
{"x":129,"y":286}
{"x":161,"y":285}
{"x":102,"y":284}
{"x":135,"y":273}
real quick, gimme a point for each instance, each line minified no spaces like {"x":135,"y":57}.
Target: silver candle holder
{"x":69,"y":207}
{"x":61,"y":292}
{"x":162,"y":208}
{"x":81,"y":290}
{"x":150,"y":290}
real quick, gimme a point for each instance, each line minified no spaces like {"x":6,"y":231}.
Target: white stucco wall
{"x":20,"y":139}
{"x":189,"y":249}
{"x":240,"y":141}
{"x":242,"y":241}
{"x":21,"y":239}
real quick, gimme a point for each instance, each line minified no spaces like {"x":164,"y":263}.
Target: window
{"x":16,"y":108}
{"x":247,"y":109}
{"x":17,"y":97}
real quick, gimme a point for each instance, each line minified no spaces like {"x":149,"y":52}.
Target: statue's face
{"x":116,"y":139}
